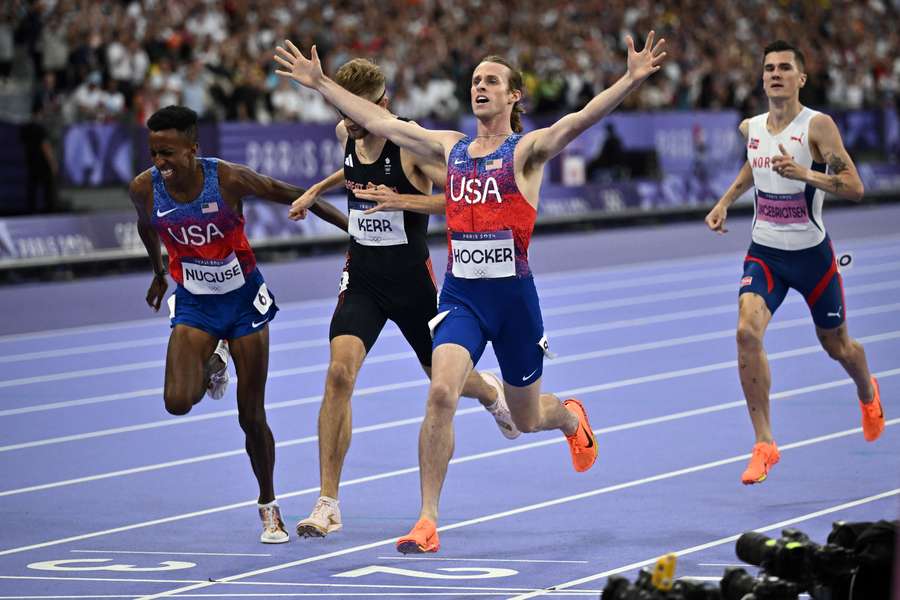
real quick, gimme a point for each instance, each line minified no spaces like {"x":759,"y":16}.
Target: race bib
{"x":263,"y":301}
{"x":781,"y":209}
{"x":212,"y":276}
{"x":544,"y":344}
{"x":844,"y":261}
{"x":378,"y":229}
{"x":483,"y":255}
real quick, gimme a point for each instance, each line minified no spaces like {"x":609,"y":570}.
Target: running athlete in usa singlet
{"x":489,"y":273}
{"x":794,"y":156}
{"x":388,"y":276}
{"x":194,"y":206}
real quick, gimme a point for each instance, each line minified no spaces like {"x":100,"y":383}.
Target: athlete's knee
{"x":837,"y":349}
{"x":341,"y":377}
{"x":253,"y":422}
{"x":178,"y":404}
{"x":442,"y":396}
{"x":749,"y":337}
{"x":527,"y":423}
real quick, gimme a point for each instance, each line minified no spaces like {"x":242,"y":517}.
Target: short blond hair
{"x":361,"y":77}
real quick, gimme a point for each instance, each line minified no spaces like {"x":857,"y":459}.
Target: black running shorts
{"x":366,"y":302}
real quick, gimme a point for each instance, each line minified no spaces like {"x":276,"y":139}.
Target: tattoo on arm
{"x":836,"y":164}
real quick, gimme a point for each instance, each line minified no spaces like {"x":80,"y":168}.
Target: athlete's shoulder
{"x":340,"y":132}
{"x":142,"y":184}
{"x":820,"y":120}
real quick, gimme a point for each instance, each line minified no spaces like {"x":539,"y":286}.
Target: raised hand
{"x":305,"y":71}
{"x":649,"y":60}
{"x":299,"y":206}
{"x":785,"y":165}
{"x":384,"y":198}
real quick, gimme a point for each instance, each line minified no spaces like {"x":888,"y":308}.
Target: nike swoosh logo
{"x":590,"y":439}
{"x":162,"y":213}
{"x":527,"y":377}
{"x":255,"y":324}
{"x":458,"y":161}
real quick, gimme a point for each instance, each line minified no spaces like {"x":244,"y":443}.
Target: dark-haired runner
{"x":794,"y":156}
{"x":193,"y":205}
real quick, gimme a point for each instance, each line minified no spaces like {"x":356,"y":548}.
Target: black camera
{"x":855,"y":562}
{"x":795,"y":558}
{"x":737,"y":584}
{"x":619,"y":588}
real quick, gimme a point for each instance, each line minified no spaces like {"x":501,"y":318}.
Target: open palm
{"x":649,"y":60}
{"x":305,"y":71}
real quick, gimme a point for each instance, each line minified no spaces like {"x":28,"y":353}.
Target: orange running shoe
{"x":872,"y":415}
{"x":422,"y":538}
{"x":582,"y":444}
{"x":765,"y":456}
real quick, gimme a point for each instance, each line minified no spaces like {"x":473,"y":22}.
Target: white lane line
{"x":79,"y":350}
{"x":149,"y":364}
{"x":135,"y":323}
{"x":409,"y":470}
{"x":569,"y":309}
{"x":714,"y":543}
{"x":287,"y":584}
{"x":82,"y":401}
{"x":874,"y":247}
{"x":166,"y":553}
{"x":184,"y":420}
{"x":534,"y":507}
{"x":484,"y":560}
{"x":679,"y":276}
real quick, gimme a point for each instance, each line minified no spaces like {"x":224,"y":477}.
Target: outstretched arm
{"x":387,"y":199}
{"x":842,"y":179}
{"x":242,"y":181}
{"x":308,"y":72}
{"x":310,"y":198}
{"x":717,"y":216}
{"x":139,"y":191}
{"x":547,"y":143}
{"x":715,"y":220}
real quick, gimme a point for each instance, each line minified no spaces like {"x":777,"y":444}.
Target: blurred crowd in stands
{"x":121,"y":60}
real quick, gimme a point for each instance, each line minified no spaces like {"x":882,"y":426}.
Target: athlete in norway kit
{"x":491,"y":207}
{"x":193,"y":205}
{"x":387,"y":276}
{"x":794,"y":156}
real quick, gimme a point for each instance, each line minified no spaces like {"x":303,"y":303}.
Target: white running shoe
{"x":499,"y":409}
{"x":273,"y":527}
{"x":218,"y":381}
{"x":325,"y":518}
